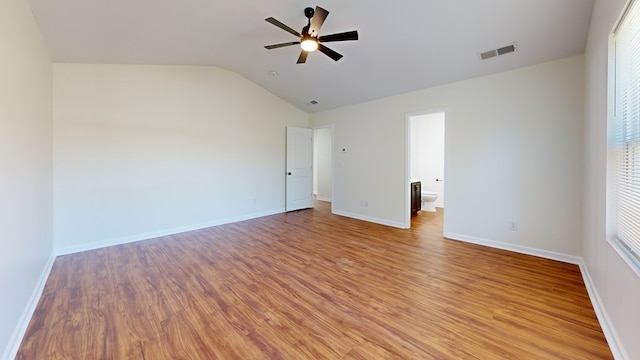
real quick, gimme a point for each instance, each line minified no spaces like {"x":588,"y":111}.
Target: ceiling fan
{"x":309,"y":39}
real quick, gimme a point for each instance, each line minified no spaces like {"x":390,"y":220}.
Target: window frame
{"x":631,"y":256}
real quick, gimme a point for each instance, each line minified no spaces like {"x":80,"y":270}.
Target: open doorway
{"x":323,"y":163}
{"x":426,"y":157}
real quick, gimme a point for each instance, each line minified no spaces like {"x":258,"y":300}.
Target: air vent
{"x":497,"y":52}
{"x":488,"y":54}
{"x":507,"y":49}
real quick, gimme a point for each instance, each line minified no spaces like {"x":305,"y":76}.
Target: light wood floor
{"x":311,"y":285}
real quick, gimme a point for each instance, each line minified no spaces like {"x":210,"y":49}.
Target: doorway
{"x":323,"y":163}
{"x":426,"y":155}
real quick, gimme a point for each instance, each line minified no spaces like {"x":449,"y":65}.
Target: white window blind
{"x":626,"y":129}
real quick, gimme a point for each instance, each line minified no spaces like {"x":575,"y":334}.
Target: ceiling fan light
{"x":309,"y":44}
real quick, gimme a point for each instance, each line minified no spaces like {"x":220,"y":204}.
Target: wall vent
{"x":497,"y":52}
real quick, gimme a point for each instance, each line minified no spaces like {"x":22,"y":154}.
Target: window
{"x":624,"y":132}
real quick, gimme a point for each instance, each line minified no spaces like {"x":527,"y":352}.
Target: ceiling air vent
{"x":497,"y":52}
{"x":488,"y":54}
{"x":507,"y":49}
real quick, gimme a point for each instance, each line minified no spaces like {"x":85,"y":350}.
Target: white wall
{"x":427,"y":152}
{"x":514,"y":153}
{"x":371,"y":169}
{"x":323,"y":162}
{"x":141,"y":151}
{"x":617,"y":285}
{"x":25,"y":169}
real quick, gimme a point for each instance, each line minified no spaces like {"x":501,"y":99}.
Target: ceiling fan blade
{"x":275,"y":46}
{"x":330,"y":53}
{"x":303,"y":57}
{"x":282,"y":26}
{"x":319,"y":16}
{"x":345,"y":36}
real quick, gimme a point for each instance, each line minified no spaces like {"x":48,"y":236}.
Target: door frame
{"x":407,"y":161}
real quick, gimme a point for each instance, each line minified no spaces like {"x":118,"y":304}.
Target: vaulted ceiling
{"x":404,"y":45}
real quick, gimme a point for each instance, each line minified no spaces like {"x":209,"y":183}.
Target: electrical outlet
{"x":513,"y":226}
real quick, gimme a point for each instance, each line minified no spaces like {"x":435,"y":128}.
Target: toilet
{"x":429,"y":200}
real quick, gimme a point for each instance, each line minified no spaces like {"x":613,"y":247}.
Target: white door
{"x":299,"y":169}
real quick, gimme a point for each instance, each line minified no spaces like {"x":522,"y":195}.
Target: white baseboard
{"x":21,"y":328}
{"x":323,"y":198}
{"x":603,"y":318}
{"x":605,"y":322}
{"x":516,"y":248}
{"x":370,"y":219}
{"x":165,"y":232}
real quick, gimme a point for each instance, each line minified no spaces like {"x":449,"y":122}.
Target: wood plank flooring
{"x":312,"y":285}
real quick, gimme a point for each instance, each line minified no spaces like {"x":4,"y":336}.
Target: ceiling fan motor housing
{"x":308,"y":12}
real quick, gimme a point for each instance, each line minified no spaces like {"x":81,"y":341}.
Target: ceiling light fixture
{"x":309,"y":44}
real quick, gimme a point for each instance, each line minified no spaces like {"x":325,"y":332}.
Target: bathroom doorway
{"x":426,"y":154}
{"x":323,"y":163}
